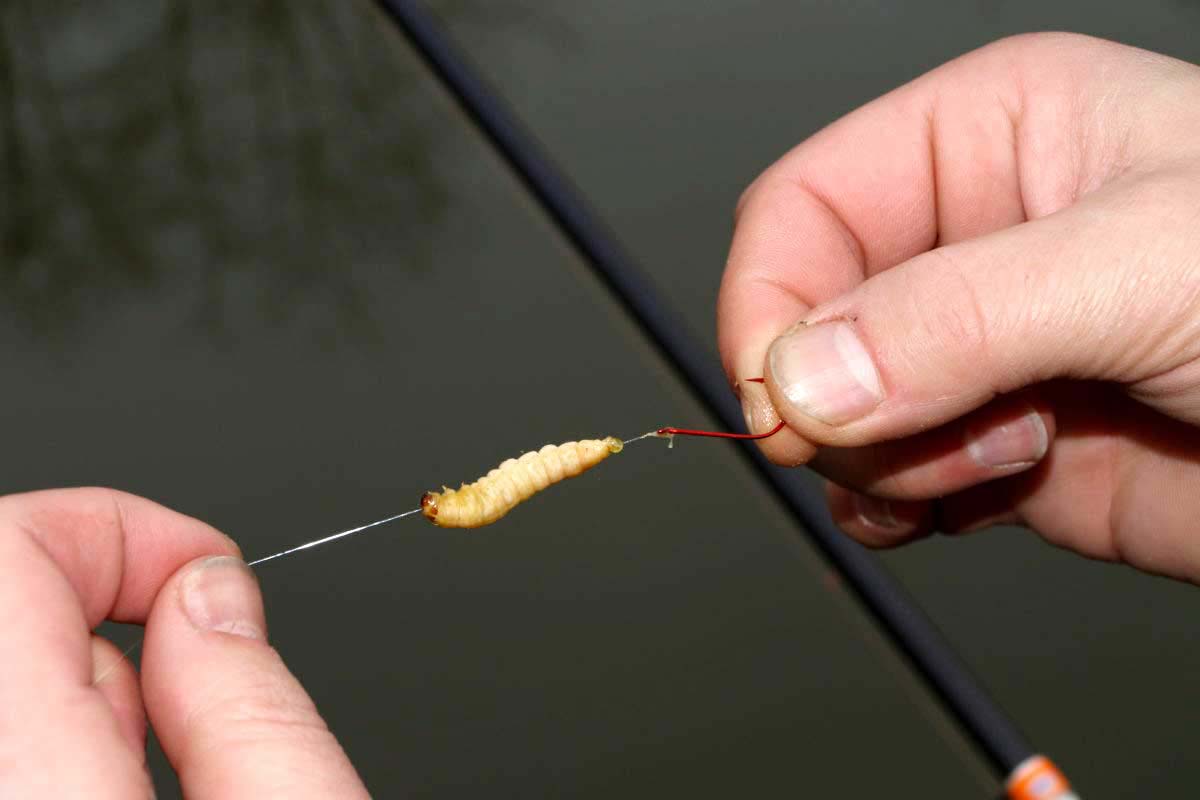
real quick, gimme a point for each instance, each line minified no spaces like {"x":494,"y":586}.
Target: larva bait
{"x":501,"y":490}
{"x":517,"y":479}
{"x":494,"y":495}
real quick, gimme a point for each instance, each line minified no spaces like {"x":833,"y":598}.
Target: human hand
{"x":997,"y":264}
{"x":230,"y":717}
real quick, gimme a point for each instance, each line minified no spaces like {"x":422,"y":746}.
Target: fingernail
{"x":221,"y":594}
{"x":757,"y":409}
{"x":1021,"y":442}
{"x":875,"y":511}
{"x":825,"y":372}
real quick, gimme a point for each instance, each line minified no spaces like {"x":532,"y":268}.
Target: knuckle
{"x":1048,"y":42}
{"x":891,"y":478}
{"x":771,"y":196}
{"x":743,"y":200}
{"x":755,"y":196}
{"x":958,"y":321}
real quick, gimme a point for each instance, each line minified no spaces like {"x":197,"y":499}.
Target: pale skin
{"x":1019,"y":229}
{"x":1005,"y":254}
{"x":231,"y":718}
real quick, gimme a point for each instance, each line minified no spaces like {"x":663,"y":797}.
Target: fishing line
{"x":129,"y":650}
{"x":495,"y":494}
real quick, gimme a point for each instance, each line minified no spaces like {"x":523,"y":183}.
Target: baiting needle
{"x":102,"y":675}
{"x":291,"y":550}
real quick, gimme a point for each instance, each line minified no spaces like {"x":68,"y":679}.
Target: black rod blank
{"x":906,"y":625}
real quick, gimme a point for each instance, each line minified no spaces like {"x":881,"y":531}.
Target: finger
{"x":1009,"y":435}
{"x":880,"y":523}
{"x":877,"y":522}
{"x":786,"y":448}
{"x":115,"y":678}
{"x":68,"y":559}
{"x":1066,"y":497}
{"x":231,"y":718}
{"x":1121,"y":483}
{"x":1130,"y":497}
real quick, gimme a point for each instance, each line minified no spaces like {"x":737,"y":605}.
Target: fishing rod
{"x":1025,"y":774}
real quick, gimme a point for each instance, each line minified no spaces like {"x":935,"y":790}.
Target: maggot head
{"x":429,"y":506}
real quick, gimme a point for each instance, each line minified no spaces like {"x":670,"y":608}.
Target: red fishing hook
{"x":722,"y":434}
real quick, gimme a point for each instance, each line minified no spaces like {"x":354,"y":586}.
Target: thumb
{"x":1099,"y":291}
{"x":231,"y":718}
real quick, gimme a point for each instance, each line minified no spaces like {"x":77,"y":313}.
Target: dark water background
{"x":255,"y":266}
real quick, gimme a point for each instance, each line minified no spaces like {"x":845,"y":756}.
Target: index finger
{"x":69,"y":559}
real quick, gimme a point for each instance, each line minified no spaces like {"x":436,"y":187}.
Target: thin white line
{"x":334,"y":536}
{"x":134,"y":646}
{"x":643,"y":436}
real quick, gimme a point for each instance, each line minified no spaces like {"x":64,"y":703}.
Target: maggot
{"x":495,"y":494}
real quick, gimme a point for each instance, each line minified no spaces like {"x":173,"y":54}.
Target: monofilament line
{"x":643,"y":436}
{"x":350,"y":532}
{"x":105,"y":673}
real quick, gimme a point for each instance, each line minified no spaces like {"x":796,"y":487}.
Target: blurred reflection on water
{"x":248,"y":155}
